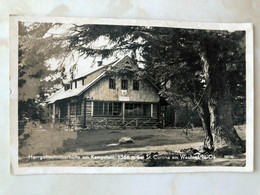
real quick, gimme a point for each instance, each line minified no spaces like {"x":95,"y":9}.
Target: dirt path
{"x":172,"y":147}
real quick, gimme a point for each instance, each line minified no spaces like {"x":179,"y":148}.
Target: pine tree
{"x":203,"y":68}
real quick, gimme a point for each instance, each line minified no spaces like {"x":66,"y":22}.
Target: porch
{"x":75,"y":123}
{"x":76,"y":115}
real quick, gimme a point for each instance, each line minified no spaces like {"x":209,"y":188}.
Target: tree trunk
{"x":204,"y":115}
{"x":217,"y":118}
{"x":176,"y":117}
{"x":221,"y":121}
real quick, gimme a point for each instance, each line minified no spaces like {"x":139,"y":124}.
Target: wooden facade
{"x":98,"y":100}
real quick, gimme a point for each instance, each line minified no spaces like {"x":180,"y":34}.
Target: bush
{"x":31,"y":110}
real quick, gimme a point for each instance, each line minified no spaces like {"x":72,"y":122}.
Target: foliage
{"x":198,"y":69}
{"x":202,"y":69}
{"x":32,"y":110}
{"x":36,"y":47}
{"x":171,"y":55}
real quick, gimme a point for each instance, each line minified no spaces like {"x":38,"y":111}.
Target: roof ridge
{"x":96,"y":69}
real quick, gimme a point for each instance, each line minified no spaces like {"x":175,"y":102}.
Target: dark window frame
{"x":78,"y":108}
{"x":83,"y":82}
{"x":112,"y":83}
{"x":67,"y":87}
{"x":76,"y":84}
{"x":124,"y":84}
{"x":107,"y":108}
{"x":137,"y":110}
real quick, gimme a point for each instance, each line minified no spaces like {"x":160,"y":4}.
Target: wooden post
{"x":59,"y":111}
{"x":163,"y":116}
{"x":92,"y":108}
{"x":151,"y":110}
{"x":69,"y":109}
{"x":91,"y":123}
{"x":84,"y":113}
{"x":53,"y":113}
{"x":123,"y":114}
{"x":50,"y":114}
{"x":75,"y":122}
{"x":69,"y":112}
{"x":159,"y":114}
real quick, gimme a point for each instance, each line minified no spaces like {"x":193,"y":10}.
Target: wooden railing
{"x":77,"y":122}
{"x":108,"y":123}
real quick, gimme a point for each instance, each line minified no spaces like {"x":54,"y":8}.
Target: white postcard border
{"x":16,"y":170}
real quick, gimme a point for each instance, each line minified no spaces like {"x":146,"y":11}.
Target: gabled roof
{"x":92,"y":70}
{"x":62,"y":94}
{"x":95,"y":69}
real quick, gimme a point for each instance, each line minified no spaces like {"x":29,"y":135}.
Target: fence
{"x":76,"y":123}
{"x":119,"y":123}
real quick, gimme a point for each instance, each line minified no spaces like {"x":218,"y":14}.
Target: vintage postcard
{"x":130,"y":96}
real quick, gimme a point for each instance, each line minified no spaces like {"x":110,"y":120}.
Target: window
{"x":124,"y":84}
{"x":136,"y":109}
{"x":75,"y":84}
{"x":129,"y":109}
{"x":70,"y":85}
{"x":107,"y":108}
{"x":67,"y":87}
{"x":135,"y":85}
{"x":110,"y":108}
{"x":83,"y":82}
{"x":72,"y":109}
{"x":78,"y":108}
{"x":146,"y":110}
{"x":117,"y":109}
{"x":98,"y":108}
{"x":112,"y":84}
{"x":75,"y":109}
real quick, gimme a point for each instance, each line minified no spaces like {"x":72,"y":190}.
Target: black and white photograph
{"x":130,"y":96}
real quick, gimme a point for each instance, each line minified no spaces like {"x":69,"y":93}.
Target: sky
{"x":83,"y":64}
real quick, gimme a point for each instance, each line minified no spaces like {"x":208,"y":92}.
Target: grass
{"x":58,"y":142}
{"x":45,"y":141}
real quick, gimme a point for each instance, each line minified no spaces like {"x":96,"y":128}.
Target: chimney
{"x":99,"y":63}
